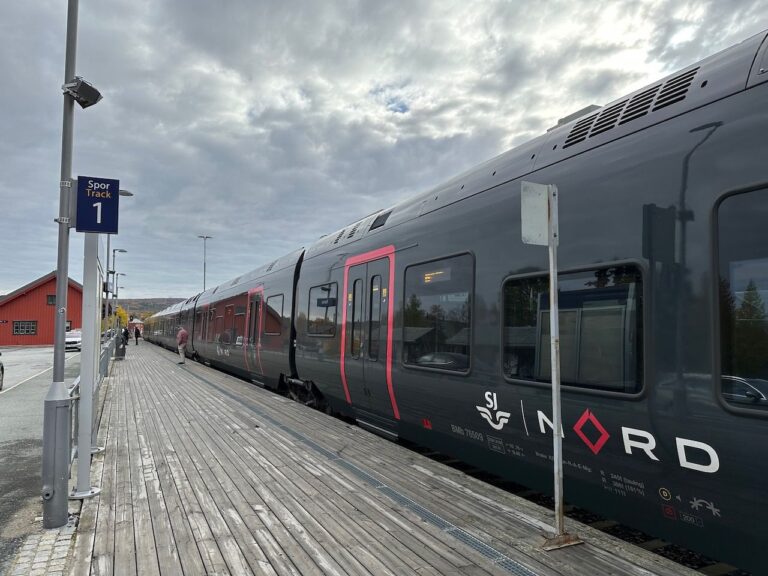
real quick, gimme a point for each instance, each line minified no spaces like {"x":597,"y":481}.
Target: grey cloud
{"x":267,"y":125}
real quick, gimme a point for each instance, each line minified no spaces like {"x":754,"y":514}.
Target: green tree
{"x":751,"y":335}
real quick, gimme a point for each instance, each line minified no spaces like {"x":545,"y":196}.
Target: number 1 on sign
{"x":97,"y":205}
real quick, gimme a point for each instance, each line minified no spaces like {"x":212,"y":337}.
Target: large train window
{"x":600,"y":314}
{"x":321,"y":320}
{"x":437,"y":315}
{"x":743,"y":263}
{"x":273,"y":323}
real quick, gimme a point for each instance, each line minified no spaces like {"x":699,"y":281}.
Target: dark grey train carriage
{"x":429,"y":321}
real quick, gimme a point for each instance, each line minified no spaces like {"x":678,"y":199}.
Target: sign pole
{"x":540,"y":226}
{"x":554,"y":332}
{"x":88,"y":366}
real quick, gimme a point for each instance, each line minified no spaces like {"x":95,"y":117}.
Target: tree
{"x":751,"y":335}
{"x":122,"y":316}
{"x":752,"y":307}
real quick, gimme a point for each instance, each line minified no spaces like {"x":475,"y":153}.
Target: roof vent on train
{"x":381,"y":219}
{"x":340,"y":235}
{"x":655,"y":98}
{"x":354,"y":229}
{"x":269,"y":268}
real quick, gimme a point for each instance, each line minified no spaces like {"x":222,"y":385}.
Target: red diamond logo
{"x":589,"y":417}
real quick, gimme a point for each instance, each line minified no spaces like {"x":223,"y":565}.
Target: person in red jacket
{"x":181,"y":340}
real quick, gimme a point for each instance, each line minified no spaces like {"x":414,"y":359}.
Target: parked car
{"x":745,"y":390}
{"x":74,"y":339}
{"x":2,"y":373}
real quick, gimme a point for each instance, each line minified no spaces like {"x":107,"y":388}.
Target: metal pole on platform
{"x":91,"y":347}
{"x":115,"y":251}
{"x":56,"y":433}
{"x":540,"y":226}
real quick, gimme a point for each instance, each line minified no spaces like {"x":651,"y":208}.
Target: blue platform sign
{"x":97,"y":204}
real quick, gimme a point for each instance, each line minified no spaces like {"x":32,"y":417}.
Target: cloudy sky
{"x":269,"y":124}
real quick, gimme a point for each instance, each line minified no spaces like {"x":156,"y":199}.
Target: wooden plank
{"x":125,"y":543}
{"x":167,"y":558}
{"x":102,"y":563}
{"x":147,"y":552}
{"x":86,"y":528}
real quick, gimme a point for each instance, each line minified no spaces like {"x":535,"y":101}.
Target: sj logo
{"x":495,"y":417}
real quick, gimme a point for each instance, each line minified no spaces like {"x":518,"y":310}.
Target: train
{"x":429,"y":321}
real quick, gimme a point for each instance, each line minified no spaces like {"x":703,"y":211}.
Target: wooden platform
{"x":206,"y":474}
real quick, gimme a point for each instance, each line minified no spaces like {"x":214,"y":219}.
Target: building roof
{"x":34,"y":284}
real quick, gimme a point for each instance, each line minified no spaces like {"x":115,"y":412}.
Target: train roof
{"x":286,"y":261}
{"x":697,"y":85}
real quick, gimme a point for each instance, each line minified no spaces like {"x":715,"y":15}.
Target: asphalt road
{"x":28,"y":374}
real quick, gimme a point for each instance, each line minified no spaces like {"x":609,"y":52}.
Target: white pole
{"x":90,"y":347}
{"x":554,"y":330}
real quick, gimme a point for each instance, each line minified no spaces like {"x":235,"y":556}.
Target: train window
{"x":321,"y":320}
{"x":357,"y":318}
{"x":226,"y":336}
{"x":218,"y":328}
{"x":374,"y":318}
{"x":600,"y":314}
{"x":238,"y":327}
{"x":274,"y":321}
{"x":209,"y":325}
{"x":437,"y":315}
{"x":743,"y":263}
{"x":255,"y":319}
{"x":199,"y":326}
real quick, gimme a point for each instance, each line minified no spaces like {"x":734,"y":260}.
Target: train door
{"x":367,"y":338}
{"x":255,"y":325}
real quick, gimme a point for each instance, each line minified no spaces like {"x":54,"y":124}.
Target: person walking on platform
{"x":126,"y":336}
{"x":181,"y":340}
{"x":136,"y":334}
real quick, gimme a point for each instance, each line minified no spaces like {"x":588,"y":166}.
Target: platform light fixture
{"x":82,"y":91}
{"x":205,"y":239}
{"x":114,"y":273}
{"x":109,"y":238}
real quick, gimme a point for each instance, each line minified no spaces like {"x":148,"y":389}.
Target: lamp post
{"x":56,"y":415}
{"x":114,"y":279}
{"x":205,"y":239}
{"x":117,"y":290}
{"x":109,"y":237}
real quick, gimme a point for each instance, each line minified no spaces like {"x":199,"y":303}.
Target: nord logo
{"x":640,"y":441}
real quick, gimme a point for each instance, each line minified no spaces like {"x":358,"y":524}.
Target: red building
{"x":28,"y":315}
